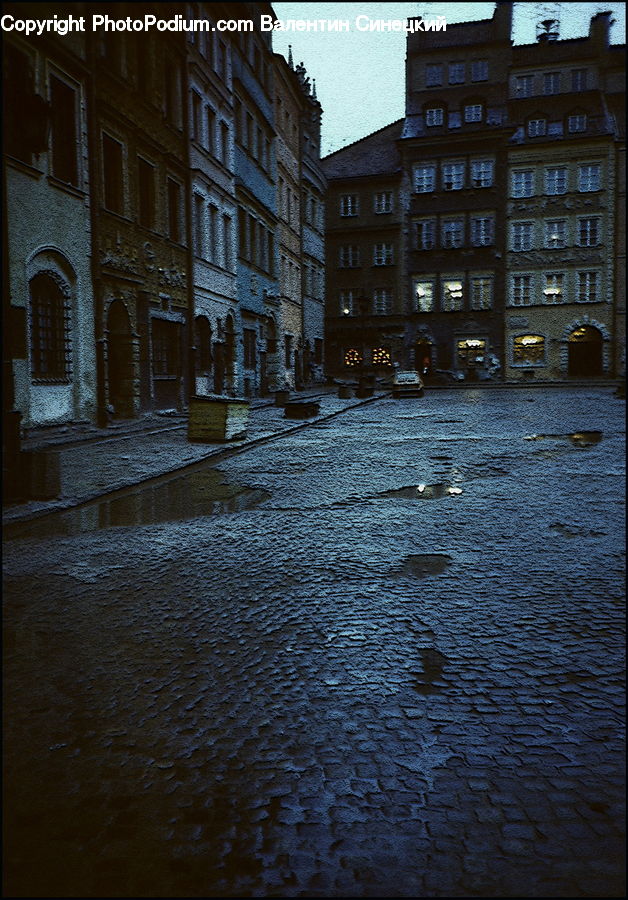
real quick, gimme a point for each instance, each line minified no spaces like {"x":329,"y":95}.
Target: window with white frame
{"x":383,"y":201}
{"x":425,"y":234}
{"x":382,"y":254}
{"x":481,"y":289}
{"x":479,"y":70}
{"x":587,"y":287}
{"x":423,"y":293}
{"x":433,"y":75}
{"x":452,"y":233}
{"x":521,"y":294}
{"x":453,"y":176}
{"x":482,"y":231}
{"x":589,"y":177}
{"x":556,"y":180}
{"x":434,"y":116}
{"x":424,"y":178}
{"x":537,"y":127}
{"x":346,"y":302}
{"x":551,"y":83}
{"x":553,"y":291}
{"x":382,"y":301}
{"x":589,"y":231}
{"x":456,"y":73}
{"x":577,"y":123}
{"x":523,"y":183}
{"x":579,"y":80}
{"x":555,"y":232}
{"x":473,"y":112}
{"x":452,"y":299}
{"x":482,"y":172}
{"x":528,"y":350}
{"x":524,"y":85}
{"x":348,"y":204}
{"x":521,"y":236}
{"x":348,"y":256}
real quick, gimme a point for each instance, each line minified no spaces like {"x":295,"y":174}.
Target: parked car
{"x":407,"y":384}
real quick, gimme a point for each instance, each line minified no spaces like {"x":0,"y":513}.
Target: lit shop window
{"x":528,"y":350}
{"x":470,"y":351}
{"x":381,"y":356}
{"x":353,"y":357}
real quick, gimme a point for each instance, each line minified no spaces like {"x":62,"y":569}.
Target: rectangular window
{"x":453,"y":297}
{"x":243,"y":249}
{"x":523,"y":183}
{"x":453,"y":176}
{"x":423,"y":292}
{"x":551,"y":83}
{"x":212,"y":233}
{"x":210,"y":118}
{"x":198,"y":224}
{"x":63,"y":131}
{"x":537,"y":127}
{"x":577,"y":123}
{"x":228,"y":241}
{"x":456,"y":73}
{"x":555,"y":233}
{"x":383,"y":202}
{"x":166,"y":348}
{"x":288,"y":351}
{"x":589,"y":177}
{"x":553,"y":290}
{"x":196,"y":117}
{"x":224,"y":144}
{"x":522,"y":236}
{"x":524,"y":85}
{"x":589,"y":232}
{"x":528,"y":350}
{"x":382,"y":254}
{"x":425,"y":234}
{"x":588,"y":287}
{"x":174,"y":209}
{"x":348,"y":204}
{"x":522,"y":290}
{"x":349,"y":257}
{"x":172,"y":75}
{"x":424,"y":179}
{"x":50,"y":331}
{"x":434,"y":117}
{"x":579,"y":80}
{"x":556,"y":180}
{"x":346,"y":302}
{"x":146,"y":193}
{"x":250,"y":347}
{"x":482,"y":231}
{"x":452,"y":233}
{"x":454,"y":120}
{"x":253,"y":247}
{"x":479,"y":70}
{"x":112,"y":174}
{"x":433,"y":75}
{"x":481,"y":292}
{"x":382,"y":302}
{"x":482,"y":172}
{"x":473,"y":112}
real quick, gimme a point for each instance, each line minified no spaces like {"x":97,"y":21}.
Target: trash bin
{"x":215,"y":418}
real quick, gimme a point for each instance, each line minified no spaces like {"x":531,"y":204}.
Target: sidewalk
{"x":95,"y":462}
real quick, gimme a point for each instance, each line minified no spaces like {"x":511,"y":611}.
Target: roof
{"x":375,"y":154}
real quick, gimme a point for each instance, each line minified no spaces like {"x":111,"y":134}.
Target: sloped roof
{"x":375,"y":154}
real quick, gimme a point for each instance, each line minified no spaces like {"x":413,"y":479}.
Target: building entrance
{"x":585,"y":352}
{"x":120,"y":368}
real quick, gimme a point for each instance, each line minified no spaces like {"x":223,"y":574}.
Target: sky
{"x":360,"y":76}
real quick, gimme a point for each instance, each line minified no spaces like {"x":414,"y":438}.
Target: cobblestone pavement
{"x":350,"y":688}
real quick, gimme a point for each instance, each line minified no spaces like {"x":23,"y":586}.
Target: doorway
{"x":120,"y":361}
{"x":585,"y":352}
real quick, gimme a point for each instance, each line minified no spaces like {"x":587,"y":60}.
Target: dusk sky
{"x":360,"y":75}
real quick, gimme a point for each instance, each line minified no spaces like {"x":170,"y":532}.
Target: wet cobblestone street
{"x":399,"y":673}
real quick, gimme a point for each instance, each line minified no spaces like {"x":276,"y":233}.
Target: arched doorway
{"x":584,"y":350}
{"x":120,"y":370}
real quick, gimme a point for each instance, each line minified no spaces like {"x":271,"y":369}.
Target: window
{"x":424,"y":179}
{"x":352,"y":357}
{"x":382,"y":254}
{"x":253,"y":246}
{"x":522,"y":236}
{"x":454,"y":120}
{"x":212,"y":233}
{"x":382,"y":302}
{"x":453,"y":176}
{"x":589,"y":177}
{"x":555,"y":233}
{"x":579,"y":80}
{"x":224,"y":144}
{"x":112,"y":174}
{"x":174,"y":209}
{"x":198,"y":224}
{"x":63,"y":131}
{"x":424,"y":234}
{"x":452,"y":300}
{"x":523,"y":183}
{"x":250,"y":347}
{"x":556,"y":180}
{"x":203,"y":345}
{"x":348,"y":204}
{"x":589,"y":232}
{"x":423,"y":292}
{"x":524,"y":85}
{"x":146,"y":193}
{"x":348,"y":257}
{"x":473,"y":112}
{"x":555,"y":128}
{"x":434,"y":116}
{"x":346,"y":302}
{"x":537,"y":127}
{"x":551,"y":83}
{"x":196,"y":117}
{"x":577,"y":123}
{"x":452,"y":233}
{"x":522,"y":290}
{"x":528,"y":350}
{"x":288,"y":350}
{"x":482,"y":231}
{"x":482,"y":172}
{"x":227,"y":227}
{"x":553,"y":290}
{"x":479,"y":70}
{"x":433,"y":75}
{"x":172,"y":75}
{"x":456,"y":73}
{"x":166,"y":348}
{"x":587,"y":287}
{"x":381,"y":356}
{"x":482,"y":292}
{"x":470,"y":352}
{"x":50,"y":331}
{"x":210,"y":117}
{"x":383,"y":202}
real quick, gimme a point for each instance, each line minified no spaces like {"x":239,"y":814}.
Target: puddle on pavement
{"x":577,"y":438}
{"x":422,"y":564}
{"x":200,"y":493}
{"x":424,"y":491}
{"x":433,"y":663}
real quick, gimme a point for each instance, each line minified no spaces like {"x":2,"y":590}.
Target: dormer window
{"x":537,"y":127}
{"x":434,"y":116}
{"x":577,"y":123}
{"x":473,"y":112}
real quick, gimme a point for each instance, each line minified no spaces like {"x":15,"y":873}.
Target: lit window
{"x":348,"y":205}
{"x":481,"y":292}
{"x":482,"y":231}
{"x":453,"y":176}
{"x":553,"y":290}
{"x":577,"y":123}
{"x":556,"y":180}
{"x":521,"y":290}
{"x":587,"y":287}
{"x":470,"y":351}
{"x":479,"y":70}
{"x":555,"y":233}
{"x":456,"y":73}
{"x":524,"y":85}
{"x":522,"y":233}
{"x":433,"y":75}
{"x":537,"y":127}
{"x":523,"y":183}
{"x":423,"y":292}
{"x":452,"y":233}
{"x":452,"y":300}
{"x":551,"y":83}
{"x":473,"y":112}
{"x":424,"y":179}
{"x":383,"y":202}
{"x":383,"y":255}
{"x":381,"y":356}
{"x":434,"y":117}
{"x":353,"y":357}
{"x":589,"y":232}
{"x":528,"y":350}
{"x":347,"y":303}
{"x":482,"y":172}
{"x":424,"y":234}
{"x":382,"y":301}
{"x":50,"y":331}
{"x":589,"y":177}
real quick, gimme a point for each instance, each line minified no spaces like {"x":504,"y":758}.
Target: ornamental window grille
{"x":50,"y":330}
{"x":381,"y":356}
{"x":352,"y":357}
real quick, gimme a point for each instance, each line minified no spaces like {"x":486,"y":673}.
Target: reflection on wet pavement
{"x":577,"y":438}
{"x":424,"y":491}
